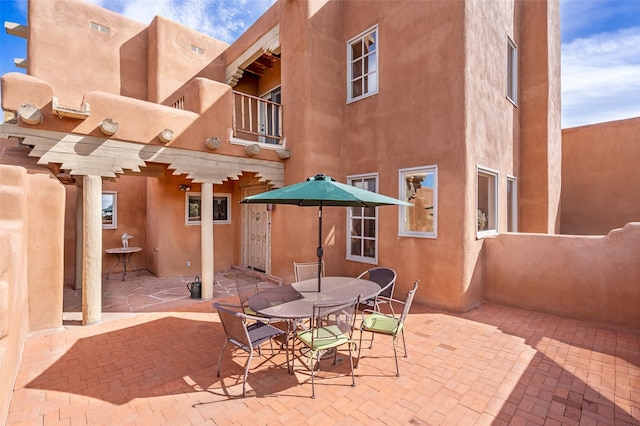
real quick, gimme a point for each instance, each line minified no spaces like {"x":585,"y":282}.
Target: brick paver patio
{"x":494,"y":365}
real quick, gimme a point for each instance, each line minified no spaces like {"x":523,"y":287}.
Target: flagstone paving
{"x":152,"y":361}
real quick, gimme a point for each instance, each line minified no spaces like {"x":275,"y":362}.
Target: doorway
{"x":256,"y":233}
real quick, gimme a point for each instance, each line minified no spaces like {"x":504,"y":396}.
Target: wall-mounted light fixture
{"x":185,"y":188}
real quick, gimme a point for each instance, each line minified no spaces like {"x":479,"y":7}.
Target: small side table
{"x":124,"y":256}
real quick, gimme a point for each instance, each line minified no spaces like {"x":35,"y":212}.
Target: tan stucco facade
{"x":441,"y":102}
{"x":600,"y":177}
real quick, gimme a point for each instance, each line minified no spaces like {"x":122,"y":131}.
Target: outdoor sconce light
{"x":212,"y":143}
{"x":166,"y":135}
{"x":109,"y":127}
{"x":185,"y":188}
{"x":30,"y":114}
{"x":252,"y":150}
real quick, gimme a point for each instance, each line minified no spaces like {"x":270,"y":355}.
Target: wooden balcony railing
{"x":257,"y":119}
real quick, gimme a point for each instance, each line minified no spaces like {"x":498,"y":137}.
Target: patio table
{"x":124,"y":256}
{"x":296,"y":301}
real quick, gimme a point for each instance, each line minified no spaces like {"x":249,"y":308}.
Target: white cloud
{"x":601,"y":78}
{"x":221,"y":19}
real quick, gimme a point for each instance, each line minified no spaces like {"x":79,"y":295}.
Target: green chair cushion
{"x":379,"y":323}
{"x":323,"y":338}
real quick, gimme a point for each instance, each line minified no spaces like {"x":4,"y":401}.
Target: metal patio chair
{"x":376,"y":322}
{"x":307,"y":270}
{"x":248,"y":336}
{"x":386,"y":279}
{"x":332,"y":326}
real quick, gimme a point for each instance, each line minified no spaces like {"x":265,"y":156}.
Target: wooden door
{"x":256,"y":233}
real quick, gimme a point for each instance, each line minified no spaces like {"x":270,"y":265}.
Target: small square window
{"x":198,"y":50}
{"x":221,"y":208}
{"x":100,"y":28}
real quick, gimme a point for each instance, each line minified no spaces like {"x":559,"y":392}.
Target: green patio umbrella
{"x":322,"y":190}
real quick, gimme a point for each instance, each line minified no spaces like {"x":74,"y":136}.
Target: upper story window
{"x":419,"y":186}
{"x":99,"y":27}
{"x":487,"y":202}
{"x":512,"y":71}
{"x":362,"y":65}
{"x":198,"y":50}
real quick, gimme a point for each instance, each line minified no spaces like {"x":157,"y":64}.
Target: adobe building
{"x":118,"y":127}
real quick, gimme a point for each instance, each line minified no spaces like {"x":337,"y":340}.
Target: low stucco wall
{"x":30,"y":264}
{"x":600,"y":177}
{"x":584,"y":277}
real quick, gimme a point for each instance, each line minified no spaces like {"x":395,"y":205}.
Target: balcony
{"x":258,"y":120}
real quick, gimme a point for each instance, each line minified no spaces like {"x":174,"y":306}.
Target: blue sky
{"x":600,"y":45}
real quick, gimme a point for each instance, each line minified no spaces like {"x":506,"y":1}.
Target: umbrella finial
{"x":321,"y":176}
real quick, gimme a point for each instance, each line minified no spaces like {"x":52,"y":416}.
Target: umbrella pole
{"x":319,"y":250}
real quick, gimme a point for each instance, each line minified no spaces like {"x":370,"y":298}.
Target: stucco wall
{"x":172,"y":61}
{"x":14,"y":310}
{"x":600,"y":177}
{"x":170,"y":242}
{"x":118,"y":57}
{"x":582,"y":277}
{"x":31,"y":263}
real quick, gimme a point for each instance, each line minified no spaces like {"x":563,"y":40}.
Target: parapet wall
{"x":30,"y":262}
{"x":592,"y":278}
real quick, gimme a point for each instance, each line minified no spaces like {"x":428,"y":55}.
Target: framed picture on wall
{"x":221,"y":208}
{"x":109,"y":210}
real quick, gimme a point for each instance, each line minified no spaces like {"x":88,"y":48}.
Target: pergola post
{"x":92,"y":250}
{"x":78,"y":235}
{"x":206,"y":229}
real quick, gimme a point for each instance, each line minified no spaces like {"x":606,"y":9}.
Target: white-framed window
{"x":362,"y":65}
{"x":487,"y":202}
{"x":419,"y":186}
{"x":512,"y":71}
{"x":270,"y":116}
{"x":362,"y":224}
{"x":512,"y":204}
{"x":109,"y":210}
{"x":221,"y":208}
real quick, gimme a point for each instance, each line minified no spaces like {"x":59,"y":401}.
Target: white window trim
{"x":362,"y":259}
{"x":114,"y":214}
{"x":350,"y":98}
{"x":512,"y":71}
{"x":199,"y":222}
{"x":496,"y":175}
{"x":513,"y":209}
{"x":402,"y":195}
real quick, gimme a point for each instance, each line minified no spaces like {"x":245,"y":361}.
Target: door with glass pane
{"x":269,"y":117}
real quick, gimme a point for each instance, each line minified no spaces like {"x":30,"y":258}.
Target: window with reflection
{"x":419,"y":186}
{"x":487,"y":202}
